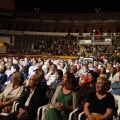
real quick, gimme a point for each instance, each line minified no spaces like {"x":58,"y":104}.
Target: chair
{"x":14,"y":107}
{"x":42,"y":110}
{"x":117,"y":102}
{"x":46,"y":107}
{"x":80,"y":115}
{"x":71,"y":114}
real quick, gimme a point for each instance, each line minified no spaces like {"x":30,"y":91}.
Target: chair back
{"x":49,"y":93}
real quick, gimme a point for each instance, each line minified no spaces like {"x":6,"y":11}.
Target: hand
{"x":59,"y":105}
{"x":26,"y":83}
{"x":21,"y":112}
{"x":4,"y":103}
{"x":62,"y":106}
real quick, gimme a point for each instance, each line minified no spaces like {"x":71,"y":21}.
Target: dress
{"x":57,"y":114}
{"x":100,"y":105}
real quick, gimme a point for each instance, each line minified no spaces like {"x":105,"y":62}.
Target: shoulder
{"x":110,"y":96}
{"x":59,"y":87}
{"x":3,"y":75}
{"x":40,"y":88}
{"x":9,"y":84}
{"x":116,"y":82}
{"x":92,"y":94}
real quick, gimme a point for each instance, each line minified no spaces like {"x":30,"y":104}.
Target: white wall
{"x":2,"y":49}
{"x":5,"y":39}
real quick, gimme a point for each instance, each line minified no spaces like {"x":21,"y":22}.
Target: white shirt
{"x":29,"y":98}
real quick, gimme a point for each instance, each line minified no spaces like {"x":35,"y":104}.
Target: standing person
{"x":64,"y":100}
{"x":33,"y":98}
{"x":100,"y":104}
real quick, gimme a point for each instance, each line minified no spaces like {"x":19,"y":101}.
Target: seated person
{"x":3,"y":77}
{"x":58,"y":79}
{"x":100,"y":105}
{"x":12,"y":92}
{"x":64,"y":99}
{"x":14,"y":68}
{"x":73,"y":70}
{"x":87,"y":87}
{"x":115,"y":87}
{"x":42,"y":79}
{"x":33,"y":98}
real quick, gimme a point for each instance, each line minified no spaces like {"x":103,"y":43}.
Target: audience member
{"x":87,"y":88}
{"x":12,"y":92}
{"x":58,"y":79}
{"x":100,"y":105}
{"x":3,"y":77}
{"x":64,"y":99}
{"x":115,"y":87}
{"x":34,"y":97}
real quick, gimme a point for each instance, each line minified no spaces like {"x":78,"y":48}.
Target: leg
{"x":11,"y":116}
{"x":24,"y":117}
{"x":27,"y":116}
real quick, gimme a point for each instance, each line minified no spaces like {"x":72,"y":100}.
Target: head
{"x":53,"y":67}
{"x":73,"y":69}
{"x":102,"y":84}
{"x":96,"y":70}
{"x":34,"y":81}
{"x":2,"y":68}
{"x":15,"y":68}
{"x":23,"y":69}
{"x":96,"y":63}
{"x":62,"y":65}
{"x":102,"y":70}
{"x":59,"y":74}
{"x":85,"y":67}
{"x":40,"y":74}
{"x":34,"y":62}
{"x":113,"y":70}
{"x":48,"y":64}
{"x":17,"y":78}
{"x":69,"y":81}
{"x":92,"y":76}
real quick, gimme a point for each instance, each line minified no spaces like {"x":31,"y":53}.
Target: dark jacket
{"x":85,"y":90}
{"x":3,"y":78}
{"x":38,"y":99}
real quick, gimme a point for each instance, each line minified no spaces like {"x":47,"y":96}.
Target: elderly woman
{"x":12,"y":92}
{"x":64,"y":99}
{"x":100,"y":105}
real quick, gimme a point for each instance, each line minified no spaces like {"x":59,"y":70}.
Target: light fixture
{"x":97,"y":10}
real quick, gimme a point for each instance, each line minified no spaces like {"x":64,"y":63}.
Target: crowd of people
{"x":55,"y":45}
{"x":87,"y":84}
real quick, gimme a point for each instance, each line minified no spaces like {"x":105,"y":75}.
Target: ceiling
{"x":67,"y":5}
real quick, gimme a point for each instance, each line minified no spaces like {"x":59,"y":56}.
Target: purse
{"x":96,"y":115}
